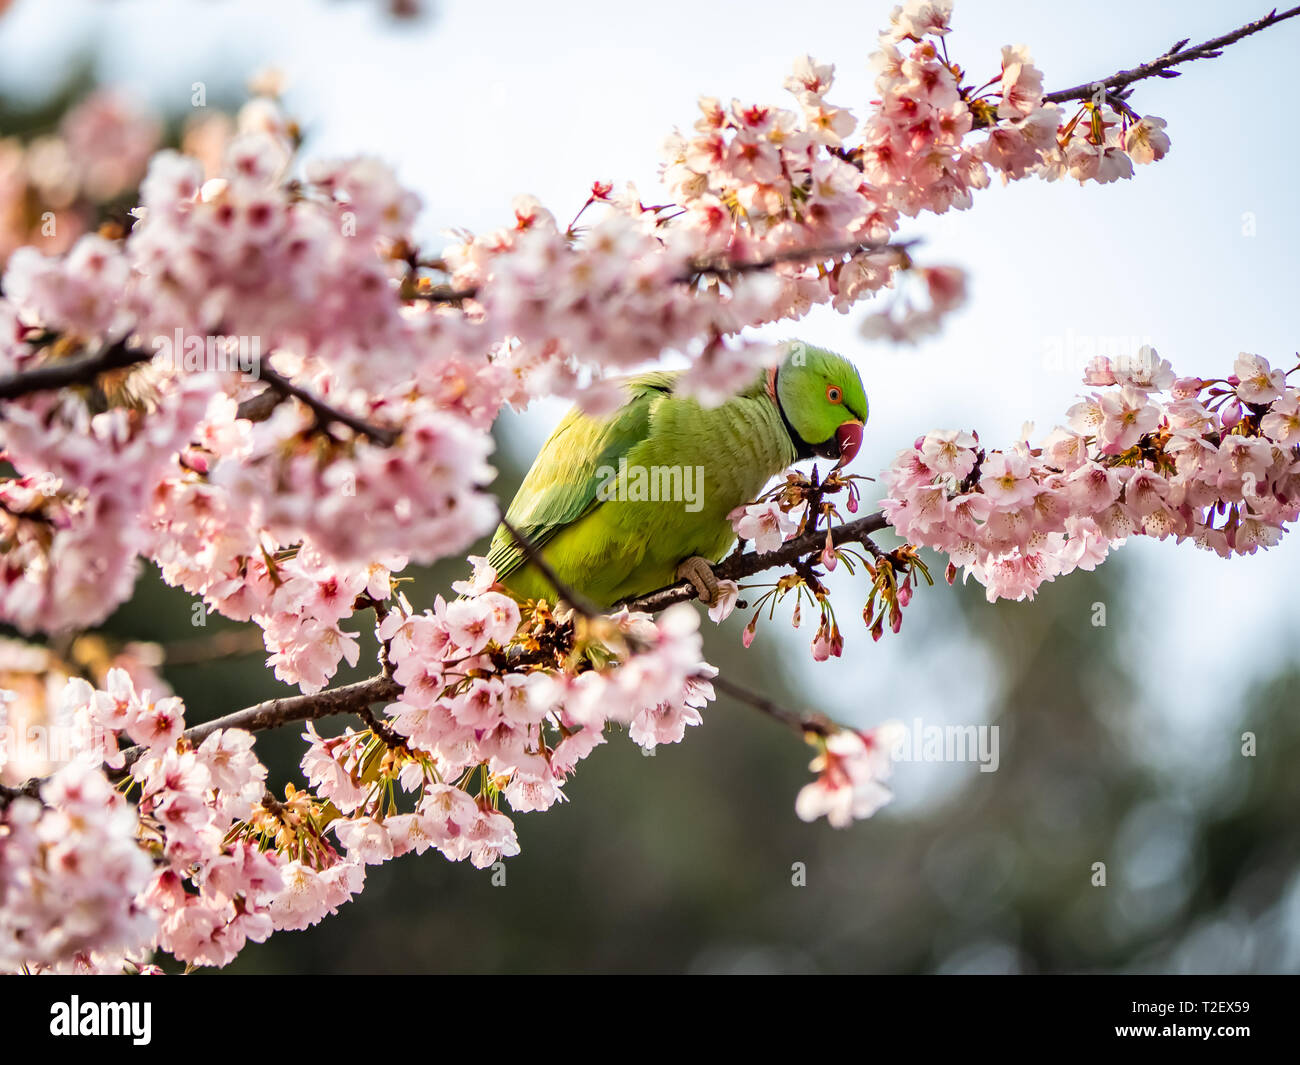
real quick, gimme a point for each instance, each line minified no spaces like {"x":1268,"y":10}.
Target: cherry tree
{"x":263,"y":386}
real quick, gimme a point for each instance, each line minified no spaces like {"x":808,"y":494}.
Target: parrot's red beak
{"x":848,"y":437}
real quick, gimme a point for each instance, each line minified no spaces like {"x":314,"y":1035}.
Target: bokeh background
{"x":1119,"y":743}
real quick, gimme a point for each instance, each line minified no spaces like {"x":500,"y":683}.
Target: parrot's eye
{"x":834,"y":394}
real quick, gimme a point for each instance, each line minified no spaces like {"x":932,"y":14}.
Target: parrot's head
{"x":822,"y":401}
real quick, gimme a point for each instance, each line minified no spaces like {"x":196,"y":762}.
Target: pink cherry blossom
{"x":766,"y":524}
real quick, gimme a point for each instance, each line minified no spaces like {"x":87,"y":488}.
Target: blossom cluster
{"x":242,"y":256}
{"x":1212,"y":460}
{"x":800,"y":506}
{"x":71,"y":877}
{"x":90,"y":881}
{"x":73,"y":523}
{"x":486,"y":697}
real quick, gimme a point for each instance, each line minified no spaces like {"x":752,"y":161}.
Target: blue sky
{"x":486,"y":100}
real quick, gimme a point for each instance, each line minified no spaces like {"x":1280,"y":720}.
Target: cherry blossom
{"x":852,"y":768}
{"x":1132,"y":462}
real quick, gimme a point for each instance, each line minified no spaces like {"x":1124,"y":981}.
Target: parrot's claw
{"x":699,"y":571}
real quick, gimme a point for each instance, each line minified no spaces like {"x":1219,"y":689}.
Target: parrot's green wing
{"x":562,"y":485}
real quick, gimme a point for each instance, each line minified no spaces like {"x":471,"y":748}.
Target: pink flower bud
{"x":195,"y":460}
{"x":821,"y":647}
{"x":1230,"y":415}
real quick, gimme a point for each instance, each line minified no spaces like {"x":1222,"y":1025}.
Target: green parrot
{"x":620,"y":505}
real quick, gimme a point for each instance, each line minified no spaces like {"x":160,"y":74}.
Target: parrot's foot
{"x":699,"y":571}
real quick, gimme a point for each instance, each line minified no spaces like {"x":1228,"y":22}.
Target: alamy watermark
{"x":77,"y":1018}
{"x":53,"y":743}
{"x":652,"y":484}
{"x":192,"y":353}
{"x":1072,"y":353}
{"x":948,"y":743}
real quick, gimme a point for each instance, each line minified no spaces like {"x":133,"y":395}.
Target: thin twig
{"x":1161,"y":67}
{"x":580,"y":603}
{"x":234,"y":643}
{"x":818,"y":724}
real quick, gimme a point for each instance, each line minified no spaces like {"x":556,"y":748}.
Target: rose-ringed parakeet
{"x":625,"y":503}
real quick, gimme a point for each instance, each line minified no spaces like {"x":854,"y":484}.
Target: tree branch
{"x":1161,"y":67}
{"x":261,"y":406}
{"x":350,"y":699}
{"x":29,"y":788}
{"x":61,"y":373}
{"x":722,"y":267}
{"x":746,"y":565}
{"x":385,"y":732}
{"x":717,"y":267}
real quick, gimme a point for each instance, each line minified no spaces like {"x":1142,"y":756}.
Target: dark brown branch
{"x":61,"y":373}
{"x":84,"y":370}
{"x":261,"y":406}
{"x":1161,"y":67}
{"x":325,"y":414}
{"x":443,"y":294}
{"x":385,"y":732}
{"x":740,"y":566}
{"x":350,"y":699}
{"x":724,"y":267}
{"x":801,"y":723}
{"x":29,"y":788}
